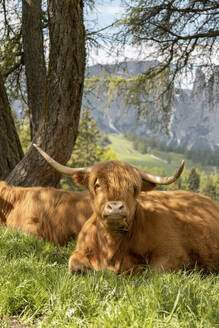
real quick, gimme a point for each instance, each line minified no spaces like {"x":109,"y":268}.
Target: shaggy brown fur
{"x":168,"y":230}
{"x":48,"y":213}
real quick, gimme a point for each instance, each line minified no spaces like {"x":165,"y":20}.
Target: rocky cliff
{"x":194,"y":121}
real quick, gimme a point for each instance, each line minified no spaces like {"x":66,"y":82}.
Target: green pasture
{"x":168,"y":161}
{"x":37,"y":291}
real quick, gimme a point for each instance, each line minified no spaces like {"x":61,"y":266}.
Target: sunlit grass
{"x":37,"y":290}
{"x":168,"y":161}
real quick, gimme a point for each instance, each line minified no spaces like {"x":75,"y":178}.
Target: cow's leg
{"x":78,"y":263}
{"x":168,"y":263}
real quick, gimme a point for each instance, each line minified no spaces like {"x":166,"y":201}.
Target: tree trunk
{"x":10,"y":147}
{"x":34,"y":60}
{"x":61,"y":111}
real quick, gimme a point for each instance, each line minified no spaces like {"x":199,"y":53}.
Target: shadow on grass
{"x":17,"y":245}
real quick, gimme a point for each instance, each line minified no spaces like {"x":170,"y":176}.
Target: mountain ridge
{"x":194,"y":122}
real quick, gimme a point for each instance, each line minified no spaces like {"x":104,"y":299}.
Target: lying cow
{"x":48,"y":213}
{"x":129,"y":229}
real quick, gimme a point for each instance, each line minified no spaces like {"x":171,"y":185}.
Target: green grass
{"x":125,"y":152}
{"x":36,"y":289}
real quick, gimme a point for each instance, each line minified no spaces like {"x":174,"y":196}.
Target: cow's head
{"x":113,"y":187}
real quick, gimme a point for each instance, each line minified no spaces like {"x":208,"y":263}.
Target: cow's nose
{"x":114,"y":207}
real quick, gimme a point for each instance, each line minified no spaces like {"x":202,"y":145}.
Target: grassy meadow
{"x":168,"y":161}
{"x":37,"y":291}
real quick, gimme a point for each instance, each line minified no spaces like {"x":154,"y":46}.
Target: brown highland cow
{"x":133,"y":226}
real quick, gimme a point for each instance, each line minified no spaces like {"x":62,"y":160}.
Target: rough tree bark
{"x":34,"y":60}
{"x":63,"y":95}
{"x":10,"y":147}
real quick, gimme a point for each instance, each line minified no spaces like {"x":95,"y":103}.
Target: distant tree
{"x":105,"y":141}
{"x":109,"y":154}
{"x":140,"y":145}
{"x":193,"y":180}
{"x":87,"y":149}
{"x":23,"y":129}
{"x":210,"y":189}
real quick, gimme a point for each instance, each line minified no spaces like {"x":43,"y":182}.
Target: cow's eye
{"x":97,"y":186}
{"x":135,"y":190}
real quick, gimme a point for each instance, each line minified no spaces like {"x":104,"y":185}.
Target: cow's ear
{"x":147,"y":186}
{"x":81,"y":178}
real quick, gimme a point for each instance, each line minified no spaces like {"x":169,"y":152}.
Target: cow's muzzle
{"x":115,"y":216}
{"x":114,"y":209}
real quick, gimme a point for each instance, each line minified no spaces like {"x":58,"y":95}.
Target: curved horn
{"x":163,"y":180}
{"x":59,"y":167}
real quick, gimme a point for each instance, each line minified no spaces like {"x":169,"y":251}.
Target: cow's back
{"x":50,"y":214}
{"x":183,"y":224}
{"x":189,"y":206}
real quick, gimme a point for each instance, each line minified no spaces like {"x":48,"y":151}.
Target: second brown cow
{"x":50,"y":214}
